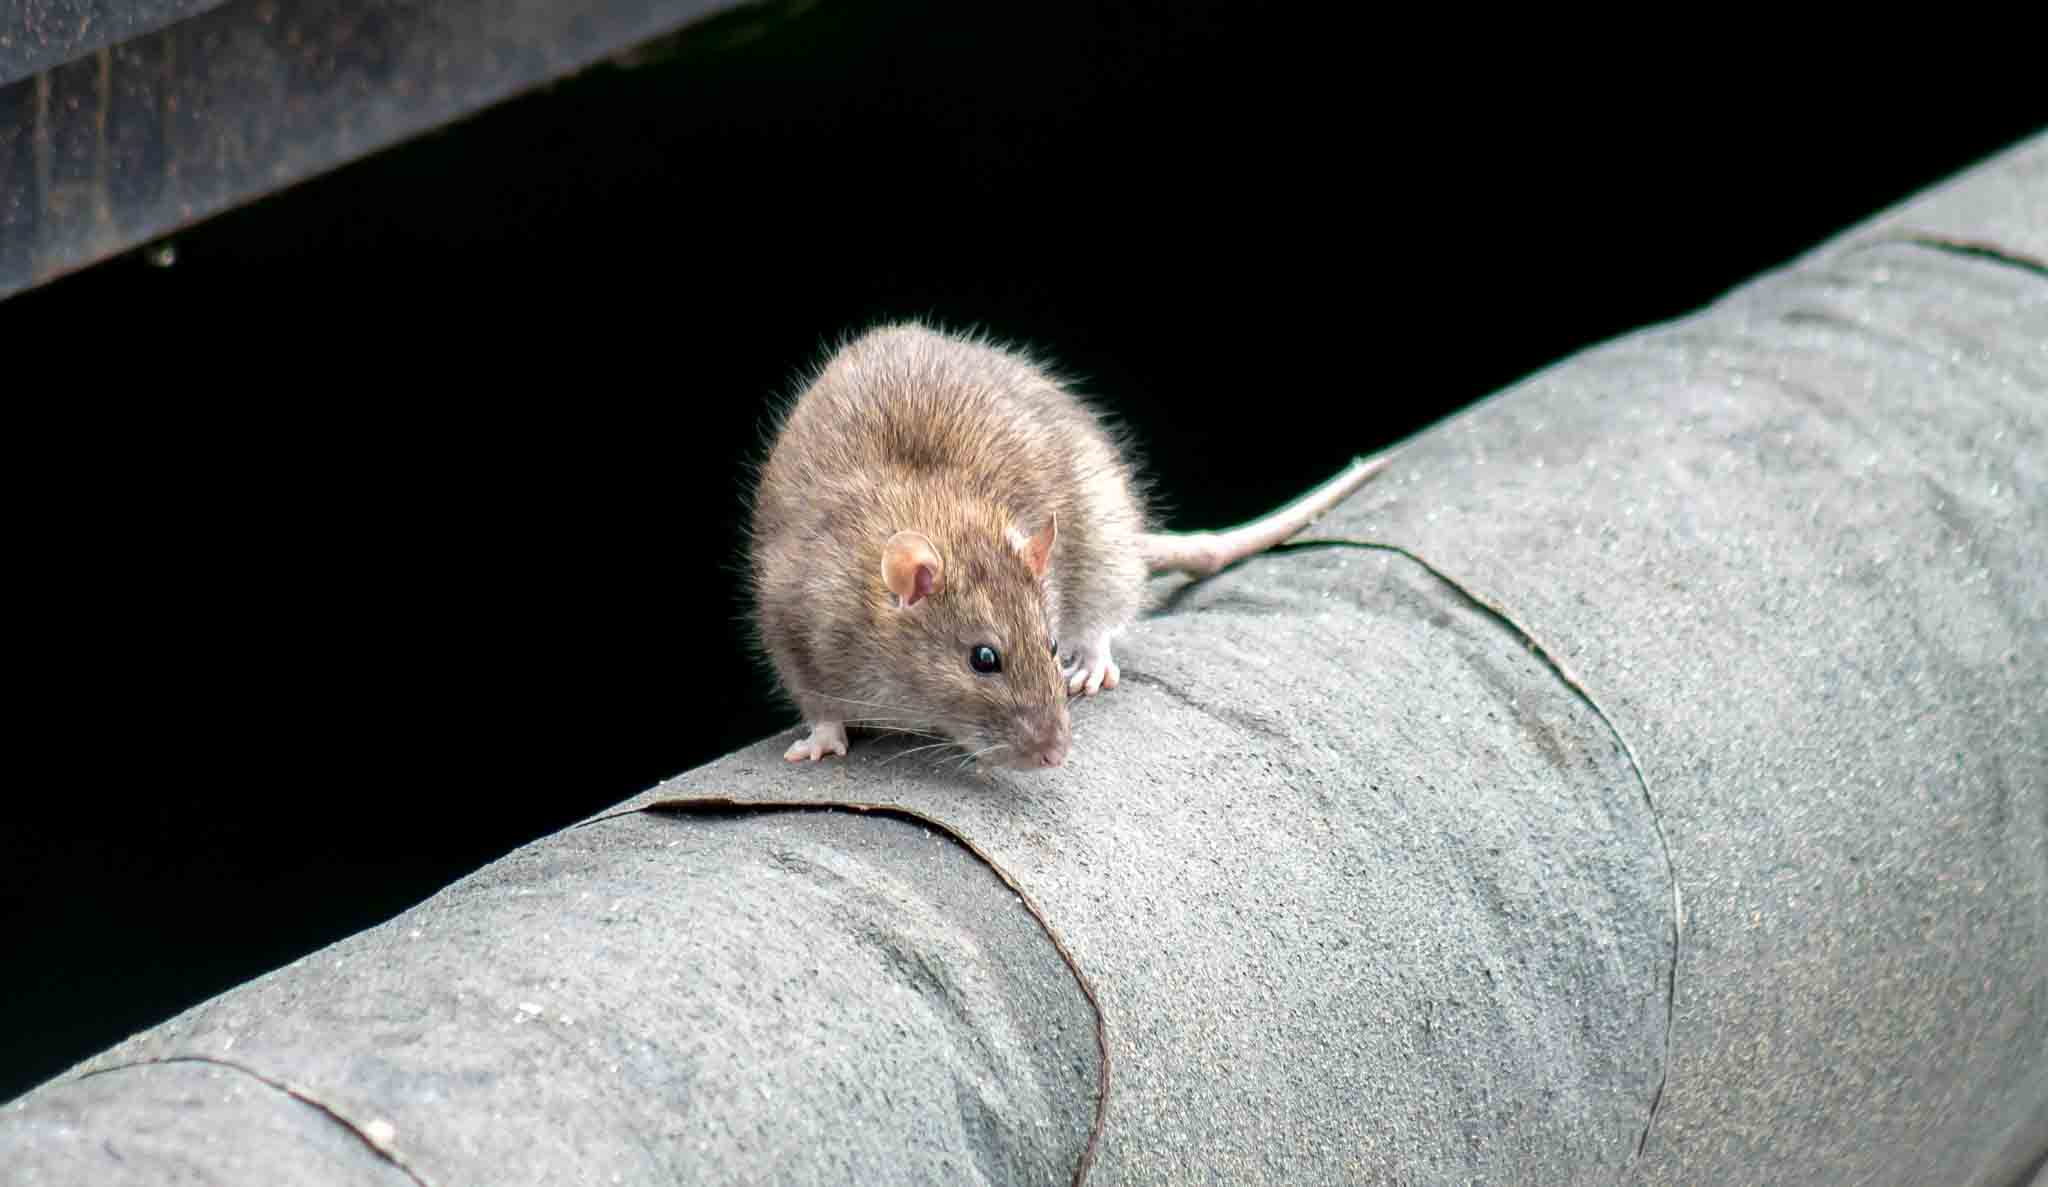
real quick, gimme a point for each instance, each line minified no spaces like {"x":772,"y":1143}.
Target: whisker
{"x":939,"y":745}
{"x":969,"y":759}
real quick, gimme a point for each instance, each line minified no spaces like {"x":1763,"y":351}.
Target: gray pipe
{"x":1645,"y":781}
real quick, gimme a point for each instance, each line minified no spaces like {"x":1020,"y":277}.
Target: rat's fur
{"x":980,"y":451}
{"x":976,"y":447}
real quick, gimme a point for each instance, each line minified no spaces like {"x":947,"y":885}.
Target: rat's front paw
{"x":1092,"y":670}
{"x":827,"y":737}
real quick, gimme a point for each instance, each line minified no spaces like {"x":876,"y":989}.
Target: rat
{"x":945,"y":541}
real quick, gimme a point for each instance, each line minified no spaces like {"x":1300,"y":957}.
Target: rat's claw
{"x":1092,"y":671}
{"x":827,"y":737}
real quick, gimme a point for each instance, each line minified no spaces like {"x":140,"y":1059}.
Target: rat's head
{"x":972,"y":626}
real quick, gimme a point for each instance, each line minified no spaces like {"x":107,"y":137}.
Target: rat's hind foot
{"x":827,"y":737}
{"x":1092,"y":669}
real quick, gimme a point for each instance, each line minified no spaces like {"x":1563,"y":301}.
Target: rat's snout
{"x":1042,"y":740}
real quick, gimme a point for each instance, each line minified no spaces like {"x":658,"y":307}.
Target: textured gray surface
{"x":1360,"y":886}
{"x":2001,"y":210}
{"x":798,"y":998}
{"x":1367,"y":890}
{"x":36,"y":35}
{"x":1799,"y":546}
{"x":134,"y":1129}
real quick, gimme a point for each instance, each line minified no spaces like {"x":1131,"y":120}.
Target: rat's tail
{"x":1204,"y":553}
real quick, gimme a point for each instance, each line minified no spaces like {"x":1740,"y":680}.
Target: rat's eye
{"x":985,"y":659}
{"x":1053,"y":645}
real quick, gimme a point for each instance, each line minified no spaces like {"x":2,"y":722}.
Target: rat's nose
{"x":1045,"y":742}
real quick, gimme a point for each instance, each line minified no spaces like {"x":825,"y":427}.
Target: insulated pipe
{"x":1645,"y":779}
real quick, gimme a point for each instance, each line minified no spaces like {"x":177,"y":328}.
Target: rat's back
{"x":907,"y":398}
{"x":905,"y":404}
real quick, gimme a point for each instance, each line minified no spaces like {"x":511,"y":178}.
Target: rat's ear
{"x":1036,"y":549}
{"x":911,"y":568}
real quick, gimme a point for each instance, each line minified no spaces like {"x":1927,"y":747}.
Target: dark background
{"x":396,"y":523}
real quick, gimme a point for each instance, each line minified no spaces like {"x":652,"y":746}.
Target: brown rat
{"x":937,"y":521}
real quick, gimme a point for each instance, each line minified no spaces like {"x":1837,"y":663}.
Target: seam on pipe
{"x":1571,"y":681}
{"x":1977,"y":249}
{"x":714,"y":805}
{"x":360,"y":1132}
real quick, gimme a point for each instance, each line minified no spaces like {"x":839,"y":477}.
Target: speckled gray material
{"x":1368,"y":891}
{"x":1367,"y":896}
{"x":136,"y":1129}
{"x":36,"y":35}
{"x":803,"y":998}
{"x":1798,"y":545}
{"x":2000,"y":209}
